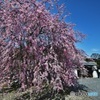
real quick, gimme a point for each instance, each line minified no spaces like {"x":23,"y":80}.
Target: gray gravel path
{"x":93,"y":85}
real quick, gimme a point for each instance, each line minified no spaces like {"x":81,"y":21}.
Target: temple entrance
{"x":89,"y":70}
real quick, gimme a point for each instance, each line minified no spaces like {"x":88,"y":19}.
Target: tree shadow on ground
{"x":79,"y":87}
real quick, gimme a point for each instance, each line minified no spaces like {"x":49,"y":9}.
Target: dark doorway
{"x":90,"y":71}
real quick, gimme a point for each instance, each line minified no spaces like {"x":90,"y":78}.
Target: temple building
{"x":90,"y":70}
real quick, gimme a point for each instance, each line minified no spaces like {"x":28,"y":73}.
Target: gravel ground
{"x":93,"y":87}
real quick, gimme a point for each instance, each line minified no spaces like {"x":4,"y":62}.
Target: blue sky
{"x":86,"y":15}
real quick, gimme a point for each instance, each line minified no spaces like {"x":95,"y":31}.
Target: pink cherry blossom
{"x":35,"y":45}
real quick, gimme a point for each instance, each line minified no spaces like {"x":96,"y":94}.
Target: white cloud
{"x":95,"y":50}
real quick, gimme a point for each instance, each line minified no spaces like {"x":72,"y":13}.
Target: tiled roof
{"x":90,"y":63}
